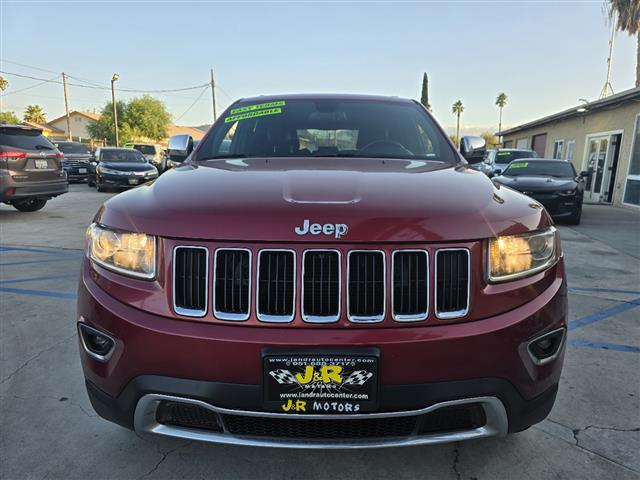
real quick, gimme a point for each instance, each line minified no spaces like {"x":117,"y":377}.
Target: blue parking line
{"x":603,"y":290}
{"x":601,"y":315}
{"x":37,"y":279}
{"x":39,"y":293}
{"x":8,"y":264}
{"x":579,"y":342}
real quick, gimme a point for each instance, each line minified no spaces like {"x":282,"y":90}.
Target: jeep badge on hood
{"x":338,"y":229}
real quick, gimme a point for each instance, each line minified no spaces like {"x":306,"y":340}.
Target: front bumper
{"x":76,"y":173}
{"x":421,"y":369}
{"x":123,"y":181}
{"x":558,"y":206}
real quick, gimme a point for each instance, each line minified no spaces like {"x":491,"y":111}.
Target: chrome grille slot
{"x":410,"y":287}
{"x":452,"y":282}
{"x":276,"y":285}
{"x":232,"y":284}
{"x":366,"y":285}
{"x":190,"y":280}
{"x":321,"y":286}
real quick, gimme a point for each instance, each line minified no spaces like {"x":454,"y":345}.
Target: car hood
{"x":126,"y":166}
{"x":537,"y":183}
{"x":378,"y":200}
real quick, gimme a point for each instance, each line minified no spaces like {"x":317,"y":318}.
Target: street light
{"x":115,"y":78}
{"x":582,"y":108}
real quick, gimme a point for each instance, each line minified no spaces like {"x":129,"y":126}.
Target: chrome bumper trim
{"x":145,"y":423}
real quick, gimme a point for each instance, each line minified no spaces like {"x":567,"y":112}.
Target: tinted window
{"x":507,"y":156}
{"x":77,"y":148}
{"x":540,"y":168}
{"x":132,"y":156}
{"x":24,"y":139}
{"x":146,"y":149}
{"x":327,"y":128}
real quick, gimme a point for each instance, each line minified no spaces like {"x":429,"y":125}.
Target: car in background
{"x":31,"y":170}
{"x":175,"y":159}
{"x":152,"y":152}
{"x":497,"y":159}
{"x":553,"y":183}
{"x":77,"y":157}
{"x":120,"y":168}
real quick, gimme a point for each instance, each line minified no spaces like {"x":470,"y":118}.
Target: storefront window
{"x":632,"y":190}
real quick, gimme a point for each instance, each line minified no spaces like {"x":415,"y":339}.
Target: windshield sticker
{"x":257,"y":113}
{"x":500,"y":154}
{"x":260,"y":106}
{"x":519,"y":165}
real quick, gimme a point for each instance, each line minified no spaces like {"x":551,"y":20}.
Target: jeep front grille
{"x":232,"y":284}
{"x":276,"y":285}
{"x":321,"y":286}
{"x":452,"y":282}
{"x":190,"y":280}
{"x":366,"y":286}
{"x":410,"y":288}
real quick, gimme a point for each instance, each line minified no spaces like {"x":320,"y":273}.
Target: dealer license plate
{"x":320,"y":384}
{"x":41,"y":164}
{"x":133,"y":181}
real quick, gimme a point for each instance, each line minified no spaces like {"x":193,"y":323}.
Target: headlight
{"x":517,"y":256}
{"x":110,"y":171}
{"x":129,"y":253}
{"x":569,"y":192}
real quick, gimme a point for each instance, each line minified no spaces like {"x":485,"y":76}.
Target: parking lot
{"x":49,"y":430}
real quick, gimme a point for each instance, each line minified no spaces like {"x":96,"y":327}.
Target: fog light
{"x":547,"y":347}
{"x":97,"y":344}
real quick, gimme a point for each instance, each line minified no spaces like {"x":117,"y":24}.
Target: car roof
{"x":536,"y":159}
{"x":324,"y":96}
{"x":21,"y":127}
{"x":116,"y":148}
{"x":514,"y":150}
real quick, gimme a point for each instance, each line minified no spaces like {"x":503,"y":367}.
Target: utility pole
{"x":213,"y":95}
{"x":608,"y":89}
{"x":113,"y":101}
{"x":66,"y":106}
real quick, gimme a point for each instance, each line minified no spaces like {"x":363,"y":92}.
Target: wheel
{"x":101,"y":188}
{"x":575,"y":218}
{"x":30,"y":205}
{"x":90,"y":183}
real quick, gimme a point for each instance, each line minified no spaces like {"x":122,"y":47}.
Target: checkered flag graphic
{"x":283,"y":377}
{"x":359,"y":377}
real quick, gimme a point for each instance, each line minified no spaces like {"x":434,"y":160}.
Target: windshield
{"x":130,"y":156}
{"x":146,"y":149}
{"x":77,"y":148}
{"x":327,"y":128}
{"x":24,"y":139}
{"x":505,"y":157}
{"x":540,"y":168}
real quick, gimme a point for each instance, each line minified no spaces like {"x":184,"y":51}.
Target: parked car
{"x":153,"y":153}
{"x":553,"y":183}
{"x":77,"y":157}
{"x":31,"y":170}
{"x":335,"y":276}
{"x":497,"y":159}
{"x":120,"y":168}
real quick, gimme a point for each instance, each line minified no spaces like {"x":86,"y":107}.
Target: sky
{"x":544,"y":55}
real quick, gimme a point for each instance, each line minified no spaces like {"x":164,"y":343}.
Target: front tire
{"x":30,"y":205}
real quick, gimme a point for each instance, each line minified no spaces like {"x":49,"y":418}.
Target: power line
{"x":193,"y":104}
{"x":2,"y":60}
{"x":30,"y":87}
{"x":99,"y":87}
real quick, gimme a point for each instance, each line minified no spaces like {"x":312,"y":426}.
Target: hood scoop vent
{"x":322,"y":188}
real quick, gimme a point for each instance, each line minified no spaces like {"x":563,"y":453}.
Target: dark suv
{"x":76,"y":159}
{"x":30,"y":168}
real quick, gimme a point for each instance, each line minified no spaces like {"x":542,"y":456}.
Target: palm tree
{"x":457,"y":109}
{"x":501,"y":101}
{"x":628,"y":14}
{"x":34,"y":113}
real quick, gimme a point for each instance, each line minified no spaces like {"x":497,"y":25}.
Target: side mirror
{"x":180,"y":147}
{"x":586,"y":173}
{"x":497,"y":172}
{"x":473,"y":149}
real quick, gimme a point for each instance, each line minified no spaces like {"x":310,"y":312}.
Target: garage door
{"x":538,"y":143}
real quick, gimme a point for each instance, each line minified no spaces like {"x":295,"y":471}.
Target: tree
{"x":491,"y":140}
{"x":8,"y":117}
{"x":457,"y":110}
{"x":34,"y":113}
{"x":3,"y":83}
{"x":628,"y":20}
{"x":424,"y":98}
{"x":501,"y":101}
{"x":143,"y":118}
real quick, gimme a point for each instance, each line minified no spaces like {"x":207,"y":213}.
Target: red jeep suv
{"x":323,"y":271}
